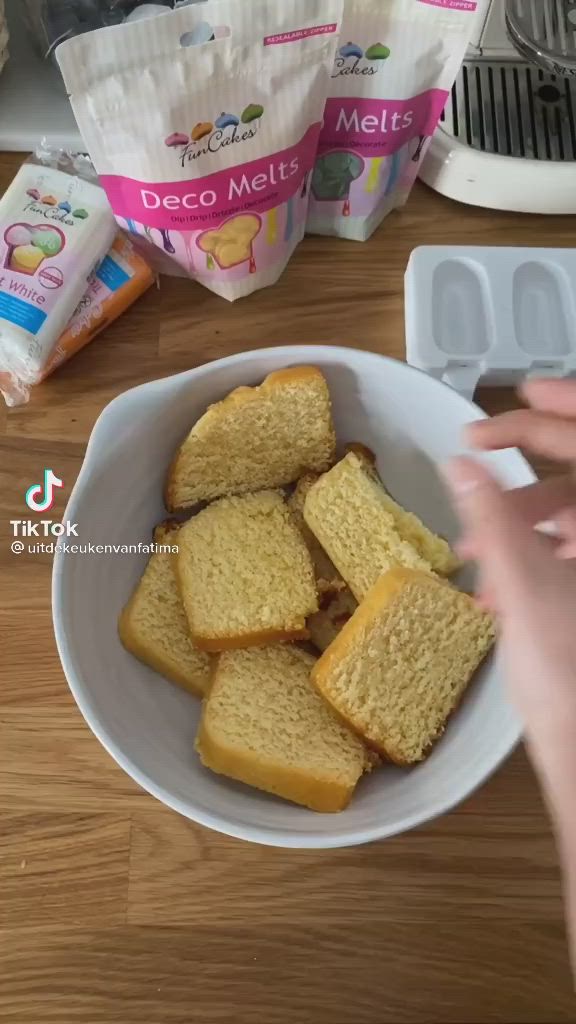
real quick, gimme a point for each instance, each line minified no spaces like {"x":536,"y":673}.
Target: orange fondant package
{"x":122,"y":277}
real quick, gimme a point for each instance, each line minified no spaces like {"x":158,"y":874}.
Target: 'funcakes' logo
{"x":211,"y":136}
{"x":49,"y":202}
{"x":351,"y":59}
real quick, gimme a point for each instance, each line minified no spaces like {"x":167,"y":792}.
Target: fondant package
{"x":55,"y":228}
{"x":118,"y":281}
{"x":395,"y":65}
{"x":206,"y":149}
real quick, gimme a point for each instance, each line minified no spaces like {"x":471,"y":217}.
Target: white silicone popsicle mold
{"x":491,"y":315}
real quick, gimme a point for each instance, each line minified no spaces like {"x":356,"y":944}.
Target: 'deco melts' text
{"x":239,"y":187}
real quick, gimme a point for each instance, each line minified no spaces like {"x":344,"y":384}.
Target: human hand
{"x":525,"y":576}
{"x":547,"y":428}
{"x":530,"y":583}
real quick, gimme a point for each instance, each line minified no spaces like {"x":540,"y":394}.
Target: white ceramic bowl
{"x":413,"y":423}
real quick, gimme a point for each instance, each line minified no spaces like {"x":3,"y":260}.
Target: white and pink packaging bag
{"x":395,"y":64}
{"x":203,"y":125}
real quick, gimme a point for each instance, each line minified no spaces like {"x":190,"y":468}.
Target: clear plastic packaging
{"x":50,"y":22}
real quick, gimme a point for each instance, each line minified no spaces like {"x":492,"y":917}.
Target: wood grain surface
{"x":114,"y":909}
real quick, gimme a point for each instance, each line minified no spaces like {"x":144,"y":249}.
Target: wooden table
{"x":114,"y":909}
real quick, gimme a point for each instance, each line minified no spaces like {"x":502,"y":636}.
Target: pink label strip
{"x":300,"y":33}
{"x":452,"y":5}
{"x":380,"y":127}
{"x":199,"y":203}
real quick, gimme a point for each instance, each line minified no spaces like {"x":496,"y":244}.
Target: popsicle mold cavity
{"x":460,"y":309}
{"x":540,"y":302}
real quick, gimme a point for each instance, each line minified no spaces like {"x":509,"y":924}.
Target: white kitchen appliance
{"x":507,"y":139}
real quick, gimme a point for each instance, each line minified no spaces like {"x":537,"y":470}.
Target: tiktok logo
{"x":40,"y":497}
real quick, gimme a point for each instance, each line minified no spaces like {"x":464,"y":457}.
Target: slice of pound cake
{"x":328,"y":579}
{"x":400,"y":666}
{"x":264,"y":724}
{"x":153,"y":625}
{"x":245,"y":573}
{"x":365,"y":532}
{"x":256,"y":438}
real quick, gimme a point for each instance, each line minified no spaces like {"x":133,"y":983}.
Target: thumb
{"x":510,"y":552}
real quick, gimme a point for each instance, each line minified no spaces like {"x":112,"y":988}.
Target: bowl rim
{"x":275,"y":837}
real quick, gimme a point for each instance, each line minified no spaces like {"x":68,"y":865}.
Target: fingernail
{"x":461,"y":476}
{"x":471,"y":428}
{"x":473,"y":433}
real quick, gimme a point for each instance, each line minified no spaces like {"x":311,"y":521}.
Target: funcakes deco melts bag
{"x":396,"y":62}
{"x":203,"y":124}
